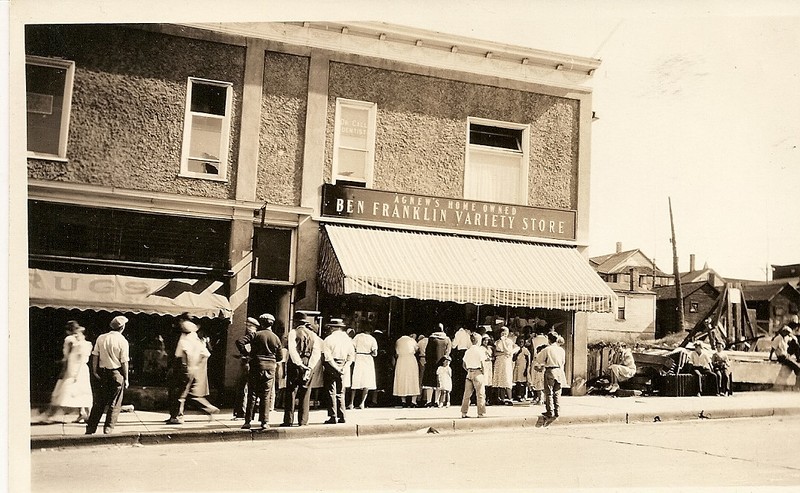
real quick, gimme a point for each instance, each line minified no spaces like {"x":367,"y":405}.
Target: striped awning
{"x":440,"y":267}
{"x":71,"y":290}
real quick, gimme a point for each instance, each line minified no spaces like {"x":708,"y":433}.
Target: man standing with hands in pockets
{"x":475,"y":380}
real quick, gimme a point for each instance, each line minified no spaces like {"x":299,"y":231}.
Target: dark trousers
{"x":296,"y":388}
{"x":259,"y":387}
{"x":178,"y":391}
{"x":107,"y":399}
{"x":792,"y":365}
{"x":700,"y":371}
{"x":332,"y":380}
{"x":459,"y":374}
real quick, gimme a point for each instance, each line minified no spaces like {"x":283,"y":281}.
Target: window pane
{"x":45,"y":98}
{"x":208,"y":98}
{"x":353,"y":126}
{"x":202,"y":166}
{"x":504,"y":138}
{"x":352,"y":164}
{"x":494,"y":177}
{"x":273,"y":249}
{"x":206,"y":138}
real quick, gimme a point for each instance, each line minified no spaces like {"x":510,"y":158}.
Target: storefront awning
{"x":460,"y":269}
{"x":198,"y":297}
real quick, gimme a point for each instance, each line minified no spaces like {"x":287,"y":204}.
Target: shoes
{"x":331,"y":421}
{"x":80,"y":420}
{"x":285,"y":425}
{"x":246,"y":426}
{"x":90,"y":432}
{"x":481,"y":415}
{"x":358,"y":407}
{"x":547,"y":415}
{"x":341,"y":420}
{"x":108,"y":431}
{"x":699,"y":394}
{"x":264,"y":425}
{"x":349,"y":407}
{"x":174,"y":421}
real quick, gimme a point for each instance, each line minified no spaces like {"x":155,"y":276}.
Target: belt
{"x":111,"y":369}
{"x":551,"y":367}
{"x":364,"y":353}
{"x":474,"y":369}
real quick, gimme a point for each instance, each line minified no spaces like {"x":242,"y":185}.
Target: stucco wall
{"x":282,"y":134}
{"x":639,"y":321}
{"x":128,"y":103}
{"x":422,"y":130}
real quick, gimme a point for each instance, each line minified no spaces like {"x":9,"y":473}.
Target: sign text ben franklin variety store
{"x":446,"y":213}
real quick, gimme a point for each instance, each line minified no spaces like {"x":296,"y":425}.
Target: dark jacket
{"x":264,"y":346}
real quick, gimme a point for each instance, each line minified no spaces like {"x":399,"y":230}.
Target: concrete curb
{"x":424,"y":426}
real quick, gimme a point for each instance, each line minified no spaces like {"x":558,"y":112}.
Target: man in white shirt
{"x":554,"y":358}
{"x":339,"y":352}
{"x":461,"y":342}
{"x":190,"y":374}
{"x":700,"y":364}
{"x":780,"y":347}
{"x":475,"y":380}
{"x":110,"y":358}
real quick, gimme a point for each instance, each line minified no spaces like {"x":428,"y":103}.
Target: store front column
{"x":241,"y":256}
{"x":580,"y":360}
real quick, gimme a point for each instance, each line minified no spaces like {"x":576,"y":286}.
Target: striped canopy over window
{"x":440,"y":267}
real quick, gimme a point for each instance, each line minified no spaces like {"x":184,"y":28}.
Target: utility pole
{"x":676,"y":271}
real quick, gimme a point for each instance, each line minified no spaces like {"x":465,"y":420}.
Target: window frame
{"x":66,"y":104}
{"x":523,"y":153}
{"x":622,"y":305}
{"x":291,"y":261}
{"x":372,"y":119}
{"x":225,"y":137}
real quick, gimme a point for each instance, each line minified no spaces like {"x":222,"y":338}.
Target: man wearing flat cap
{"x":110,"y":358}
{"x":339,"y":353}
{"x":264,"y":351}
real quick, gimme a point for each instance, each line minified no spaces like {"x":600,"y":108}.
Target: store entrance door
{"x":269,"y":298}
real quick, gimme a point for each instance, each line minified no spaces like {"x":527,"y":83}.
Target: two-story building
{"x":390,"y":176}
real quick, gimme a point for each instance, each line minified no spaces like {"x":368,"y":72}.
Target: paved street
{"x":702,"y":453}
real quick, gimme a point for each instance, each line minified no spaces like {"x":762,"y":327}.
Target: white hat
{"x":118,"y":322}
{"x":187,"y":327}
{"x":268,"y":317}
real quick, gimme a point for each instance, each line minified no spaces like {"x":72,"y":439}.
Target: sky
{"x":698,"y":102}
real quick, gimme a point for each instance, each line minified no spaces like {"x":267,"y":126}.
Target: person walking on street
{"x":265,"y":348}
{"x":554,"y":358}
{"x":73,"y":389}
{"x":473,"y":362}
{"x":110,"y":368}
{"x":304,"y":353}
{"x":339,"y":353}
{"x":190,"y":377}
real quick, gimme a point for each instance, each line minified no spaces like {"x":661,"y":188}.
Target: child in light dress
{"x":444,"y":376}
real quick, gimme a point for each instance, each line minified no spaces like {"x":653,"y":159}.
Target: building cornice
{"x":163,"y":203}
{"x":421,"y":47}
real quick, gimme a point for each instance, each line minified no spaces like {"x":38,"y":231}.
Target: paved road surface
{"x":706,"y":453}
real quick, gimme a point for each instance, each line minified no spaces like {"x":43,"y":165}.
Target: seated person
{"x":722,"y":368}
{"x":699,"y":363}
{"x":622,"y":367}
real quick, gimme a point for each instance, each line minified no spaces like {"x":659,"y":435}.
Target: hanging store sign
{"x":438,"y":212}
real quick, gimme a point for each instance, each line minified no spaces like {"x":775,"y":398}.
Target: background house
{"x":699,"y":298}
{"x":631,"y":275}
{"x":775,"y":304}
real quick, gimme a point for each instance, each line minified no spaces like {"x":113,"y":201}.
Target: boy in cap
{"x":110,"y":368}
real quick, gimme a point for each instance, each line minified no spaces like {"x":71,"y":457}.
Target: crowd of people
{"x":426,"y":370}
{"x":490,"y":365}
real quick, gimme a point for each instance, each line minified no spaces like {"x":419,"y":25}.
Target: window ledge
{"x":47,"y":157}
{"x":200,"y":176}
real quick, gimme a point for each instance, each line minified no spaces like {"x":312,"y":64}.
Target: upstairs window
{"x":206,"y":129}
{"x":620,"y":307}
{"x":497,"y":162}
{"x":354,"y":142}
{"x":48,"y":86}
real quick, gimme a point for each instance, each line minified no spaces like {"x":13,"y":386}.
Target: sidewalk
{"x":148,"y":427}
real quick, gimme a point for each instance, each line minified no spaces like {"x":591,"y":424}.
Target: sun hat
{"x":118,"y":322}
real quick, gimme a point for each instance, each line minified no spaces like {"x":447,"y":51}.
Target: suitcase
{"x":681,"y":385}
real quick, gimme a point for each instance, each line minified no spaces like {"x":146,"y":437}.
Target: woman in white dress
{"x":406,"y":370}
{"x":503,"y":378}
{"x":74,"y":389}
{"x":363,"y":377}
